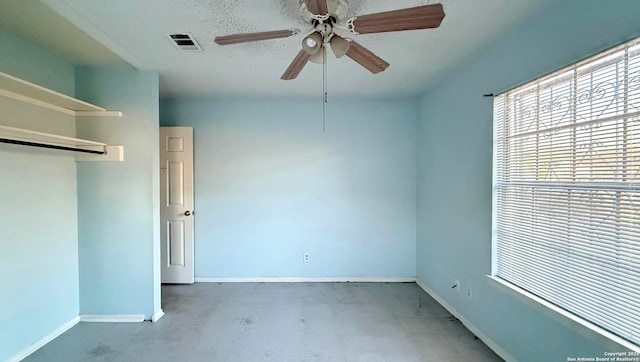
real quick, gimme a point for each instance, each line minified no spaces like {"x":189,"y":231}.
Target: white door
{"x":176,"y":204}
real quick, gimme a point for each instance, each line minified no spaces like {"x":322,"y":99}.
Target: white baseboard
{"x":112,"y":318}
{"x":308,"y":280}
{"x":477,"y":332}
{"x":158,"y":315}
{"x":44,"y":340}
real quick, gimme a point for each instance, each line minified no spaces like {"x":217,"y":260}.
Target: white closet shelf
{"x":21,"y":90}
{"x":87,"y":150}
{"x":25,"y":135}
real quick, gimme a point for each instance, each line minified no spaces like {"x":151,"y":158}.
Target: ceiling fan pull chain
{"x":324,"y":124}
{"x":325,"y":99}
{"x":324,"y":78}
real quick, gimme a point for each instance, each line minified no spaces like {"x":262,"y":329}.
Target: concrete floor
{"x":280,"y":322}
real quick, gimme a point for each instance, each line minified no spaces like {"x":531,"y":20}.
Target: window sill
{"x":607,"y":339}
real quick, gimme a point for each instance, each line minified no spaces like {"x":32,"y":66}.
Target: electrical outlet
{"x":456,"y":285}
{"x":469,"y":292}
{"x":305,"y":257}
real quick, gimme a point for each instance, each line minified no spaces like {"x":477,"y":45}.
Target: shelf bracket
{"x":112,"y":153}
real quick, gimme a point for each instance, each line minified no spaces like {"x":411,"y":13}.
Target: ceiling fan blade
{"x":317,"y":7}
{"x":366,"y":58}
{"x":248,"y":37}
{"x":421,"y":17}
{"x":296,"y":66}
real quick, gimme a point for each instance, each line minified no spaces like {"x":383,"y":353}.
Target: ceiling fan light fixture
{"x":324,"y":15}
{"x":339,"y":45}
{"x":312,"y":43}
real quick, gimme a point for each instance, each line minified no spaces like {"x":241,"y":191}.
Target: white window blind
{"x":567,"y":189}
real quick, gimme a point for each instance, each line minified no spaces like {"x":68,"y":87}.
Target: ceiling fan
{"x":327,"y":16}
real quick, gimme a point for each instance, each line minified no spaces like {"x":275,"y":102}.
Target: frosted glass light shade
{"x":319,"y":57}
{"x":312,"y":43}
{"x":339,"y":45}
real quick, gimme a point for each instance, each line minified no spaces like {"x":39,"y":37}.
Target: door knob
{"x":187,"y":213}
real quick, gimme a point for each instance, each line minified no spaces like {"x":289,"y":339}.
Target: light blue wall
{"x":38,"y":222}
{"x":270,"y":186}
{"x":455,"y":170}
{"x":118,"y":202}
{"x":25,"y":61}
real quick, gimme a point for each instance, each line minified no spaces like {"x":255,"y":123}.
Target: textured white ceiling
{"x":137,"y":30}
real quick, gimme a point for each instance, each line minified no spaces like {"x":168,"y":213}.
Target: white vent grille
{"x":185,"y":41}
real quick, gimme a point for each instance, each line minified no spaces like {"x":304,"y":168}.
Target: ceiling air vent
{"x":185,"y":41}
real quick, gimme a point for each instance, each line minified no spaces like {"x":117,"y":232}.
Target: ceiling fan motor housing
{"x":325,"y":29}
{"x":337,"y":11}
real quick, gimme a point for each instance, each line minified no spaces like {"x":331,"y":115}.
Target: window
{"x":567,"y":189}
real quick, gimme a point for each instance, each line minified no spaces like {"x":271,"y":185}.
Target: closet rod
{"x":55,"y":147}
